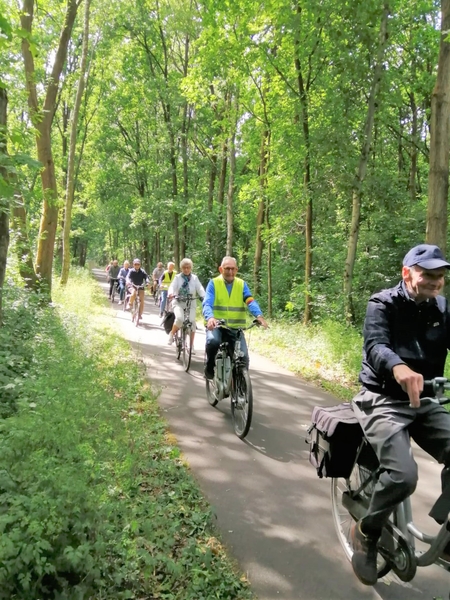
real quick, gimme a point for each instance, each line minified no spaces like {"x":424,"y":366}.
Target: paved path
{"x":273,"y":511}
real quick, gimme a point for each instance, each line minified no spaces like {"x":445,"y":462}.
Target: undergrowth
{"x":95,"y":501}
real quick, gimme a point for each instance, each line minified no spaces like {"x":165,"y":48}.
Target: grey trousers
{"x":388,"y":425}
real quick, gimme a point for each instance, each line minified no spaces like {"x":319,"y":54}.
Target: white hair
{"x":186,"y":262}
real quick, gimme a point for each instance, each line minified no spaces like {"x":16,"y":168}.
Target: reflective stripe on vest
{"x":230,"y":307}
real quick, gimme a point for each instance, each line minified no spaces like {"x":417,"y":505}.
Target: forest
{"x":307,"y":138}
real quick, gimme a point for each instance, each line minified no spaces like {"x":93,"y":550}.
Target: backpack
{"x":334,"y":438}
{"x":168,"y":321}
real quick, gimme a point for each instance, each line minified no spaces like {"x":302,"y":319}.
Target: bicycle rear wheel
{"x":343,"y":520}
{"x":187,"y":348}
{"x":241,"y":402}
{"x":135,"y":312}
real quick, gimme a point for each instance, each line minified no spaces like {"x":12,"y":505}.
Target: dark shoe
{"x":209,"y":374}
{"x":364,"y":559}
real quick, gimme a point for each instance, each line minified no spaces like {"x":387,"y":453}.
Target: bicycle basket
{"x":334,"y":438}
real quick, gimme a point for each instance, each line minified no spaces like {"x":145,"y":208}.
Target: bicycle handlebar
{"x":255,"y":323}
{"x":439,"y":385}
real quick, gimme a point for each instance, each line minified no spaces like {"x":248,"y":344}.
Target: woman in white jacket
{"x":183,"y":284}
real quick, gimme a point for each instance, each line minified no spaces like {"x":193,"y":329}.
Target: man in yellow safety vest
{"x":227,"y":297}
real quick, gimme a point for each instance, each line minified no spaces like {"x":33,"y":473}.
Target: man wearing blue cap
{"x":406,"y":338}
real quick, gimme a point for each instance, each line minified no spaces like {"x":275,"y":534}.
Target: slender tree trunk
{"x":261,"y":216}
{"x":4,"y":206}
{"x":414,"y":137}
{"x":304,"y":103}
{"x":42,"y":120}
{"x":269,"y":264}
{"x":211,"y":186}
{"x":362,"y":167}
{"x":231,"y":179}
{"x":72,"y":149}
{"x":437,"y":210}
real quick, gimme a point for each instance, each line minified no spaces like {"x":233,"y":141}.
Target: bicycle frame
{"x":224,"y":379}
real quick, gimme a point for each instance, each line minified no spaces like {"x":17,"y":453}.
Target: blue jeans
{"x":163,"y":301}
{"x":214,"y":339}
{"x":121,"y":290}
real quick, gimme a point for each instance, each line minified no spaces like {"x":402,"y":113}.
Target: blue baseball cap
{"x":426,"y":256}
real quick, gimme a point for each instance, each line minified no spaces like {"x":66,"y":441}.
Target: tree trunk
{"x":231,"y":179}
{"x":437,"y":212}
{"x":362,"y":168}
{"x":4,"y":206}
{"x":261,"y":216}
{"x":414,"y":152}
{"x":212,"y":184}
{"x":42,"y":120}
{"x":72,"y":149}
{"x":303,"y":90}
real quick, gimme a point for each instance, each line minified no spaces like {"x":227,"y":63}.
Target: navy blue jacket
{"x":399,"y":331}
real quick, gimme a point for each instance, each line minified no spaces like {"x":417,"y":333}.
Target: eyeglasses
{"x":229,"y":268}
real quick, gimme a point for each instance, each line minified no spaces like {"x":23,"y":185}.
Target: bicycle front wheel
{"x":178,"y":343}
{"x":343,"y":520}
{"x":241,"y":402}
{"x":187,"y":349}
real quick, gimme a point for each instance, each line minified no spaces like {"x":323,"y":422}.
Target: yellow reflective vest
{"x":166,"y":280}
{"x":230,"y":307}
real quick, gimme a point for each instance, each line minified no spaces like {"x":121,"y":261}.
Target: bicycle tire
{"x":241,"y":402}
{"x":135,"y":312}
{"x":178,"y":343}
{"x":343,"y":520}
{"x":187,"y":348}
{"x":113,"y":292}
{"x":211,"y":392}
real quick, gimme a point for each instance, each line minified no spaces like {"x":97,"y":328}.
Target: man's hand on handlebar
{"x":261,"y":320}
{"x":212,"y":323}
{"x":410,"y":381}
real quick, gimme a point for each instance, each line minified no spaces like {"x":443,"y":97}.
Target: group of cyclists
{"x":227,"y":298}
{"x":406,"y":340}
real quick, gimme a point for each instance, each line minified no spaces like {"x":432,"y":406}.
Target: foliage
{"x":95,"y":500}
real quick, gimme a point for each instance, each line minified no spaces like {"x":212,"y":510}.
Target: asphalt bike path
{"x":273,"y":511}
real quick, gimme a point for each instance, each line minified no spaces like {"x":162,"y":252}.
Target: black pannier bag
{"x":168,"y":321}
{"x":334,"y":438}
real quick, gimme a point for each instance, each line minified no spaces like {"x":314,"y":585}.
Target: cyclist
{"x":158,"y":272}
{"x":122,"y":277}
{"x":183,"y":284}
{"x":227,"y":297}
{"x":164,"y":282}
{"x":113,"y":274}
{"x":136,"y":277}
{"x":406,"y":337}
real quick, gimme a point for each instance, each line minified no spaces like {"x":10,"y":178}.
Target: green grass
{"x":95,"y":499}
{"x":328,"y":354}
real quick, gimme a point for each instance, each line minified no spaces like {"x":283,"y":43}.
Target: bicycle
{"x":136,"y":305}
{"x":396,"y":546}
{"x":231,"y":379}
{"x":182,"y":338}
{"x":157,"y":296}
{"x":114,"y":288}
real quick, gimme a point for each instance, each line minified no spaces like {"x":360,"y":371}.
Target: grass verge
{"x":95,"y":501}
{"x":328,"y":354}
